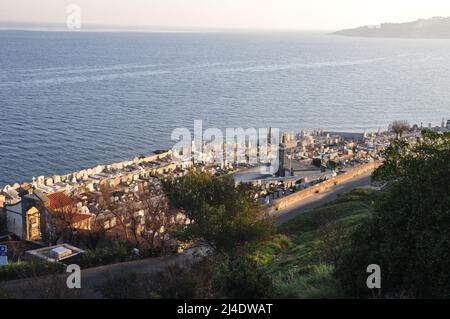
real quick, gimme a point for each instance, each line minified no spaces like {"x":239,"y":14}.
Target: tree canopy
{"x":409,"y":234}
{"x":400,"y":127}
{"x":226,"y":216}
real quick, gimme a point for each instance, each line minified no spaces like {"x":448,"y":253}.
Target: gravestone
{"x":49,"y":181}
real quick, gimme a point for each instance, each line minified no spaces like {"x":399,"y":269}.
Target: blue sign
{"x":3,"y":250}
{"x":3,"y":257}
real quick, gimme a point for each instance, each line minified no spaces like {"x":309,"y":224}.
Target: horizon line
{"x":60,"y":27}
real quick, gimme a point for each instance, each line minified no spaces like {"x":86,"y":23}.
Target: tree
{"x":95,"y":235}
{"x":332,"y":164}
{"x":158,"y":218}
{"x":317,"y":162}
{"x":142,"y":218}
{"x":123,"y":212}
{"x":400,"y":127}
{"x":107,"y":194}
{"x":409,"y":234}
{"x":226,"y":216}
{"x":59,"y":218}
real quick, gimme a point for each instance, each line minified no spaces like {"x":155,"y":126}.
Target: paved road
{"x":322,"y":198}
{"x":94,"y":276}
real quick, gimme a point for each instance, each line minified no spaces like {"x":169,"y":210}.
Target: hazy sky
{"x":260,"y":14}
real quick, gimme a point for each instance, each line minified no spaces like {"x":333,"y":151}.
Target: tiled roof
{"x":58,"y":200}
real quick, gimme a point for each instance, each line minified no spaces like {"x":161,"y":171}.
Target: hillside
{"x":300,"y":258}
{"x":437,"y":27}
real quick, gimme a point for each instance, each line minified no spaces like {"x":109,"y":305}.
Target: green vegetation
{"x":230,"y":221}
{"x":296,"y":263}
{"x":242,"y":278}
{"x":116,"y":254}
{"x":409,"y":233}
{"x":224,"y":215}
{"x":26,"y":269}
{"x":91,"y":258}
{"x":405,"y":229}
{"x":301,"y":259}
{"x":32,"y":269}
{"x":323,"y":253}
{"x":104,"y":256}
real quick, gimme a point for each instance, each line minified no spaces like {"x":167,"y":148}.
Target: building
{"x":24,"y":218}
{"x":33,"y":217}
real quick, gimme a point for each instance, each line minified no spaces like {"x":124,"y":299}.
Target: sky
{"x":227,"y":14}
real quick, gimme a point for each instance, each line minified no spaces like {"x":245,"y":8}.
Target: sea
{"x":73,"y":100}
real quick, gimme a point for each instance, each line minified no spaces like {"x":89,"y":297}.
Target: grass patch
{"x":297,"y":257}
{"x":267,"y":252}
{"x":355,"y":202}
{"x":318,"y":283}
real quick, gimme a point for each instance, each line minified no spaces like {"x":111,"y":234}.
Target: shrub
{"x":243,"y":279}
{"x":408,"y":235}
{"x":104,"y":256}
{"x":26,"y":269}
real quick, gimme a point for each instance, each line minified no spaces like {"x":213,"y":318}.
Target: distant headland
{"x":434,"y":28}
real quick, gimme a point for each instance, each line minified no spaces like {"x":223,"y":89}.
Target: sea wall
{"x":289,"y":200}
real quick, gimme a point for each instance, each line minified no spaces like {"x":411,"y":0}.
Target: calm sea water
{"x":75,"y":100}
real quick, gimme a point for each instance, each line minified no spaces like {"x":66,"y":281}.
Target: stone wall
{"x":50,"y":180}
{"x":129,"y":177}
{"x":289,"y":200}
